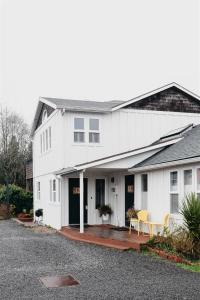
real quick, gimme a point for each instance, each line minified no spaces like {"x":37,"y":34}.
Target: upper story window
{"x":79,"y":130}
{"x":187,"y":181}
{"x":45,"y":140}
{"x":94,"y":135}
{"x":44,"y":115}
{"x":144,"y":188}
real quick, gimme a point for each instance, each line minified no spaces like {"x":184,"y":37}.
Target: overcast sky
{"x":95,"y":49}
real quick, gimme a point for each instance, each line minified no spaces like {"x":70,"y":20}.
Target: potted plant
{"x":39,"y":215}
{"x":105,"y":212}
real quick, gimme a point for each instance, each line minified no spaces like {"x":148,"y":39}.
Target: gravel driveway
{"x":103,"y":273}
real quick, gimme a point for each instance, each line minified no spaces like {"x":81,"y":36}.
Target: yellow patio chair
{"x":142,"y":218}
{"x":163,"y":225}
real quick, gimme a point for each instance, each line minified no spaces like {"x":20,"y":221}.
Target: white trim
{"x":165,"y":165}
{"x":49,"y":103}
{"x":136,"y":99}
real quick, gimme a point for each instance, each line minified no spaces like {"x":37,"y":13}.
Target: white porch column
{"x":81,"y":202}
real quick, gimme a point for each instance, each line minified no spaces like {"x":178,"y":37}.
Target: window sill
{"x":45,"y":153}
{"x":54,"y":203}
{"x":87,"y":144}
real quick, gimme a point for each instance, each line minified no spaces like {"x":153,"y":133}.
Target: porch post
{"x":81,"y":202}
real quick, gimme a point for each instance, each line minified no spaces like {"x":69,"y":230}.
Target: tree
{"x":15,"y":148}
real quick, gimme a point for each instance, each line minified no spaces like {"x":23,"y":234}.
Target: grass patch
{"x":194,"y":268}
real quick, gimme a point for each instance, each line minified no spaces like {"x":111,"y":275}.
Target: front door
{"x":129,"y":194}
{"x":74,"y":200}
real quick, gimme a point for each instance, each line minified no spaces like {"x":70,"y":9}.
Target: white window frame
{"x":54,"y":191}
{"x":144,"y":193}
{"x":79,"y":130}
{"x":176,"y":192}
{"x":94,"y":131}
{"x":38,"y":189}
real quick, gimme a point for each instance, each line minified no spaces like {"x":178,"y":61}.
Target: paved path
{"x":103,"y":273}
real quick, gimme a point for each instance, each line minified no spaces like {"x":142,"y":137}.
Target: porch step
{"x":89,"y":238}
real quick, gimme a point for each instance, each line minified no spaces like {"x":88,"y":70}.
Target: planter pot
{"x":4,"y":211}
{"x":105,"y":217}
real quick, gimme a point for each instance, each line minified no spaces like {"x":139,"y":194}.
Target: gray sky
{"x":95,"y":49}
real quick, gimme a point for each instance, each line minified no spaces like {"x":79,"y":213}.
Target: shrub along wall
{"x":15,"y":195}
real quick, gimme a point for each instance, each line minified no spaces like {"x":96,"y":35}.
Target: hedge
{"x":15,"y":195}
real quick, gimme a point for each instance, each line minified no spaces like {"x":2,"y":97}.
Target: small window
{"x":79,"y":123}
{"x":44,"y":115}
{"x":38,"y":190}
{"x":47,"y":139}
{"x":198,"y":179}
{"x":173,"y":181}
{"x":50,"y":137}
{"x":144,"y":179}
{"x":100,"y":192}
{"x":174,"y":204}
{"x":54,"y":190}
{"x":188,"y":177}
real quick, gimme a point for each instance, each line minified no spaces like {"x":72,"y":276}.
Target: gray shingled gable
{"x":187,"y":147}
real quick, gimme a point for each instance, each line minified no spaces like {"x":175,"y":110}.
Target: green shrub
{"x":14,"y":195}
{"x":191,"y":216}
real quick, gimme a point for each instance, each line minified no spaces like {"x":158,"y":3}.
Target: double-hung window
{"x":38,"y":190}
{"x":174,"y":196}
{"x":79,"y":130}
{"x":94,"y":135}
{"x":187,"y":181}
{"x":54,"y":190}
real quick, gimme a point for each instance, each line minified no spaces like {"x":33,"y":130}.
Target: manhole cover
{"x":58,"y":281}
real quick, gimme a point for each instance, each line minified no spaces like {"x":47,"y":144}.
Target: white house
{"x":84,"y":153}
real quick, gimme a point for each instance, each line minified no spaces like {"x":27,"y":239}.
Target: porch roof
{"x":103,"y":163}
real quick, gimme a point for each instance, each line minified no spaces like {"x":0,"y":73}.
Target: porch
{"x":107,"y":235}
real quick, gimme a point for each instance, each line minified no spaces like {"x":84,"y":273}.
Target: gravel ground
{"x":103,"y":273}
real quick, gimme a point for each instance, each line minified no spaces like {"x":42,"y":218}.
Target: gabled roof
{"x":186,"y":148}
{"x":81,"y":105}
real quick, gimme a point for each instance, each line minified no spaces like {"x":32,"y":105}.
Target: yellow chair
{"x":142,"y":218}
{"x":163,"y":225}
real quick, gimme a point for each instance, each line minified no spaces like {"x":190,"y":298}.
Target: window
{"x":45,"y":140}
{"x":94,"y":135}
{"x":144,"y":188}
{"x":38,"y":190}
{"x":188,"y":177}
{"x":174,"y":203}
{"x":79,"y":133}
{"x":44,"y":115}
{"x":173,"y":181}
{"x":187,"y":181}
{"x":54,"y":190}
{"x":174,"y":196}
{"x":144,"y":179}
{"x":50,"y":137}
{"x":100,"y":192}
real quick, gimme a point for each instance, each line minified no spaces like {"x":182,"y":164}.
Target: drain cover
{"x":58,"y":281}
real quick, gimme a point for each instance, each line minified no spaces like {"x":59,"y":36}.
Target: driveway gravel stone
{"x":103,"y":273}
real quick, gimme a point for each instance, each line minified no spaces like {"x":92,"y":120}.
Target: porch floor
{"x":106,"y":235}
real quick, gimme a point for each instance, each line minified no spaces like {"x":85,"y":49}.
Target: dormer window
{"x":44,"y":115}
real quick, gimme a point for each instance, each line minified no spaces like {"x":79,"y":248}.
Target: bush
{"x":104,"y":209}
{"x":16,"y":196}
{"x":191,"y":216}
